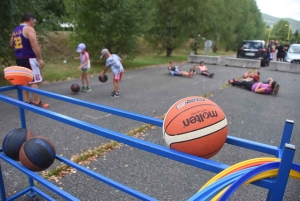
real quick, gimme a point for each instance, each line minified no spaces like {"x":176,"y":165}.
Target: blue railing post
{"x":21,"y":110}
{"x":276,"y":186}
{"x":278,"y":189}
{"x":2,"y":189}
{"x":287,"y":133}
{"x":23,"y":125}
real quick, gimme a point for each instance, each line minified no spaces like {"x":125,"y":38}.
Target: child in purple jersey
{"x":258,"y":87}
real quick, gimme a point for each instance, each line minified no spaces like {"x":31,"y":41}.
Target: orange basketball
{"x":195,"y":125}
{"x":17,"y":75}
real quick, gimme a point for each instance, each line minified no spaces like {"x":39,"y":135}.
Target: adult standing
{"x":28,"y":54}
{"x":271,"y":49}
{"x":286,"y":47}
{"x":280,"y":52}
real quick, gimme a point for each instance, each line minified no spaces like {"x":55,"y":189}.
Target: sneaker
{"x":42,"y":105}
{"x":276,"y":89}
{"x":83,"y":89}
{"x":211,"y":75}
{"x":115,"y":95}
{"x":88,"y":89}
{"x":113,"y":92}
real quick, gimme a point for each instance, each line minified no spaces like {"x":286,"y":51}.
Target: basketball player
{"x":28,"y":54}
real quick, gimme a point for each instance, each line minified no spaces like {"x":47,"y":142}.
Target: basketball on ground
{"x":13,"y":142}
{"x":103,"y":78}
{"x":37,"y":153}
{"x":75,"y":88}
{"x":195,"y":125}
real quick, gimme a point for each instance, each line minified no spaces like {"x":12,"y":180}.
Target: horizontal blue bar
{"x":257,"y":146}
{"x":146,"y":119}
{"x":19,"y":194}
{"x":38,"y":178}
{"x":8,"y":88}
{"x":134,"y":142}
{"x":106,"y":180}
{"x":122,"y":113}
{"x":42,"y":194}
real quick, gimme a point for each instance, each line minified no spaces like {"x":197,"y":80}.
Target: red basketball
{"x":195,"y":125}
{"x":37,"y":153}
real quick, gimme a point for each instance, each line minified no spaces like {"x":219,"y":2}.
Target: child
{"x":255,"y":76}
{"x":174,"y":70}
{"x":203,"y":70}
{"x":84,"y":66}
{"x":115,"y":63}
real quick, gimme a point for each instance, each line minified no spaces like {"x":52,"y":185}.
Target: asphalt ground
{"x":151,"y":91}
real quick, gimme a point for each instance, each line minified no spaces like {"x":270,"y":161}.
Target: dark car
{"x":254,"y":49}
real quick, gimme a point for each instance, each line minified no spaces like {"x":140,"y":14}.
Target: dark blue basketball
{"x":102,"y":78}
{"x":14,"y":140}
{"x":37,"y":153}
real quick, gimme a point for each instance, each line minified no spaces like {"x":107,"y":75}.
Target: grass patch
{"x":58,"y":47}
{"x":90,"y":155}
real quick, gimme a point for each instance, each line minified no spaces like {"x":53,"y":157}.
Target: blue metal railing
{"x":202,"y":163}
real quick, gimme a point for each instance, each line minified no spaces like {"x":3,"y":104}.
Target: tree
{"x":173,"y":23}
{"x":110,"y":24}
{"x":11,"y":12}
{"x":281,"y":30}
{"x":250,"y":25}
{"x":296,"y":34}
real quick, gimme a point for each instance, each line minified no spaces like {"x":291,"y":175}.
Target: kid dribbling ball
{"x":195,"y":125}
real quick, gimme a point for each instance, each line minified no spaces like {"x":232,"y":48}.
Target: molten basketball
{"x":13,"y":142}
{"x":103,"y":78}
{"x":75,"y":88}
{"x":195,"y":125}
{"x":17,"y":75}
{"x":37,"y":153}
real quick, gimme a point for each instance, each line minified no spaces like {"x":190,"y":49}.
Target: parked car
{"x":254,"y":49}
{"x":293,"y":54}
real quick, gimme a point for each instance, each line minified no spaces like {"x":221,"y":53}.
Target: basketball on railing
{"x":37,"y":153}
{"x":13,"y":142}
{"x":195,"y":125}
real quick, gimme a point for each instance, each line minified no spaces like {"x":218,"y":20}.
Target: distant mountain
{"x":271,"y":21}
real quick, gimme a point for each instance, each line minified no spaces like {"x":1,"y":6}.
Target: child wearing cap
{"x":84,"y":66}
{"x":114,"y":62}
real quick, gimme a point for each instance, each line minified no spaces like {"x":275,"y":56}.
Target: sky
{"x":280,"y":8}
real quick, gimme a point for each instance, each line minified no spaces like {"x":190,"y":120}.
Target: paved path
{"x":151,"y":91}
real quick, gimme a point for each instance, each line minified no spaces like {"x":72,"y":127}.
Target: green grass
{"x":56,"y":70}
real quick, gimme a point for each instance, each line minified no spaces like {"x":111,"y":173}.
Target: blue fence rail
{"x":286,"y":154}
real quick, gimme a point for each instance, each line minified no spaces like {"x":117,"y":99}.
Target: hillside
{"x":271,"y":21}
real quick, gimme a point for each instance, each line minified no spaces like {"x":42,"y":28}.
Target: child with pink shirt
{"x":84,"y":66}
{"x":203,"y":70}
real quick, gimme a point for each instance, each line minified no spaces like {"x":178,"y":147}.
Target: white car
{"x":293,"y":54}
